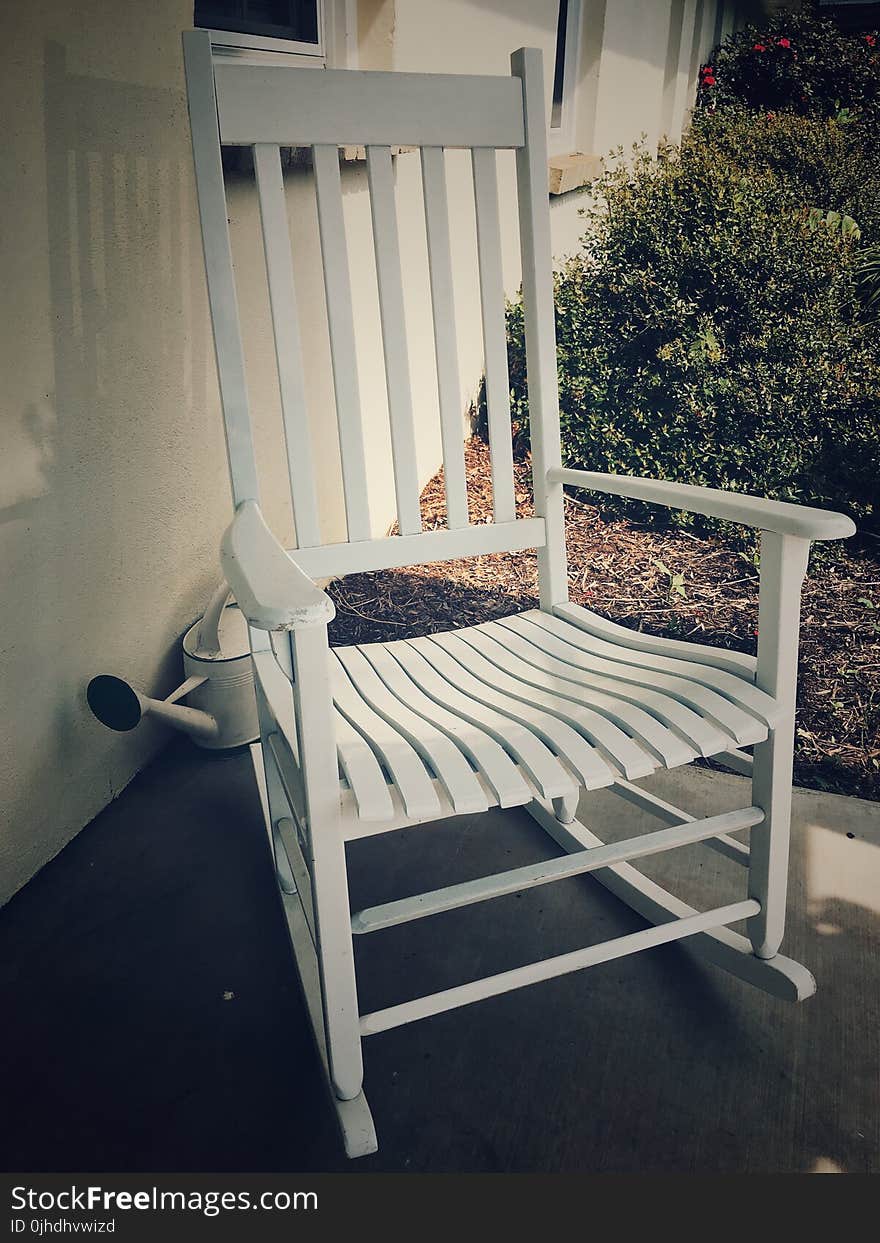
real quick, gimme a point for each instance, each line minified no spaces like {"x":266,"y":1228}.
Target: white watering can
{"x":221,"y":709}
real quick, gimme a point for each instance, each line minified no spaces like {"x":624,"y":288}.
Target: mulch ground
{"x":665,"y":583}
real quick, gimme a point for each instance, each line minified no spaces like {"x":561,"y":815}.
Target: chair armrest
{"x":750,"y":511}
{"x":271,"y":590}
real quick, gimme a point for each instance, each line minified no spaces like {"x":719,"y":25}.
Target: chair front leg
{"x":317,"y":753}
{"x":783,"y":566}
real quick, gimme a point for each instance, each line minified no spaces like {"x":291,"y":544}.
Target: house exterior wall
{"x":113,"y":484}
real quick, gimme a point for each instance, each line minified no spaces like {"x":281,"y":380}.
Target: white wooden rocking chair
{"x":524,"y":712}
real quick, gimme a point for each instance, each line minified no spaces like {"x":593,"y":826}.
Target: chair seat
{"x":490,"y":715}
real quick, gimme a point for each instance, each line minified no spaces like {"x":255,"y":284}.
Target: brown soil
{"x":631,"y":574}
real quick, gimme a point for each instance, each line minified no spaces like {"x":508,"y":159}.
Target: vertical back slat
{"x":340,"y":316}
{"x":218,"y":264}
{"x":204,"y":82}
{"x":540,"y":326}
{"x":394,"y":341}
{"x":494,"y":334}
{"x":445,"y":349}
{"x":288,"y":347}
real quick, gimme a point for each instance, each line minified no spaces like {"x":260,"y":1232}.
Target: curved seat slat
{"x":617,"y":748}
{"x":363,"y":772}
{"x":458,"y":778}
{"x":589,"y":762}
{"x":547,"y":652}
{"x":404,"y":764}
{"x":666,"y":746}
{"x":487,"y":755}
{"x":537,"y":760}
{"x":738,"y":689}
{"x":738,"y":663}
{"x":491,"y":713}
{"x":726,"y":714}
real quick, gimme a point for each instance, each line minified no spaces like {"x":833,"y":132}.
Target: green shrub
{"x":867,"y":274}
{"x":707,"y":333}
{"x":720,"y":324}
{"x":798,"y":62}
{"x":823,"y":163}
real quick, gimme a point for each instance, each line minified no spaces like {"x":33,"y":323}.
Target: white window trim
{"x":562,"y":137}
{"x":336,"y":47}
{"x":339,"y":26}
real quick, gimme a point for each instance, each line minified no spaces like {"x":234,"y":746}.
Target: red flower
{"x":760,"y":47}
{"x":708,"y":69}
{"x":870,"y":40}
{"x":709,"y":80}
{"x":784,"y":42}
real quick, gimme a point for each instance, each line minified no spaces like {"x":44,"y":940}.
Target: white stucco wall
{"x":113,"y":485}
{"x":112,"y":477}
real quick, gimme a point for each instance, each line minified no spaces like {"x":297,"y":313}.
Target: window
{"x":280,"y":19}
{"x":565,"y":74}
{"x":285,"y":26}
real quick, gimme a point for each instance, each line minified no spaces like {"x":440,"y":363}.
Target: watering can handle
{"x":208,"y":640}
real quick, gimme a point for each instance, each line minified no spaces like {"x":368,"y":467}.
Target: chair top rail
{"x":302,"y":107}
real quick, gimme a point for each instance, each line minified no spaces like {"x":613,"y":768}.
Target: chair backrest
{"x":266,"y":107}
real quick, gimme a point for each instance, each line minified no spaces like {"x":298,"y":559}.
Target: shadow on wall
{"x":118,"y":173}
{"x":114,"y":486}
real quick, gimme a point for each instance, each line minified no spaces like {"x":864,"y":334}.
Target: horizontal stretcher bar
{"x":371,"y":919}
{"x":520,"y":977}
{"x":740,"y":761}
{"x":722,"y":842}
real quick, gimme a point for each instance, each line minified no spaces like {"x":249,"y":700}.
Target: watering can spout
{"x":119,"y":706}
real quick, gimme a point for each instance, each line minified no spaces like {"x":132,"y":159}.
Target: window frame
{"x":336,"y":46}
{"x":561,"y":138}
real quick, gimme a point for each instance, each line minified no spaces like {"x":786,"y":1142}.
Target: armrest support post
{"x":783,"y":566}
{"x":316,"y":737}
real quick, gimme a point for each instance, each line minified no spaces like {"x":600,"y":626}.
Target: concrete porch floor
{"x":153,"y":1020}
